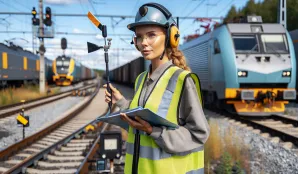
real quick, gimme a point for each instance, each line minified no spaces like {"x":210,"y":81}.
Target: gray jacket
{"x":193,"y":131}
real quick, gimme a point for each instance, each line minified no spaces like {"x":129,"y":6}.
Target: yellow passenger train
{"x":67,"y":71}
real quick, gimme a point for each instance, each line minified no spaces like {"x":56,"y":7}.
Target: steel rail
{"x":20,"y":168}
{"x":271,"y":129}
{"x":285,"y":136}
{"x":46,"y":98}
{"x":84,"y":165}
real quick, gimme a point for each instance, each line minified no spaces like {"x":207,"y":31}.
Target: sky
{"x":121,"y":51}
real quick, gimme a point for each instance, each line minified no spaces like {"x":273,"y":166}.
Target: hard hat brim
{"x":132,"y":26}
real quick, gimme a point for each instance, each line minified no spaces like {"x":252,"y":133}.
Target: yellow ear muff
{"x":174,"y":37}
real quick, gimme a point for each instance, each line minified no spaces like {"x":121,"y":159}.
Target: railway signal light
{"x":35,"y":21}
{"x":33,"y":12}
{"x":63,"y":43}
{"x":48,"y":19}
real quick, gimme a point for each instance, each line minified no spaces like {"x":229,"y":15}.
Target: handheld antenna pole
{"x":106,"y":47}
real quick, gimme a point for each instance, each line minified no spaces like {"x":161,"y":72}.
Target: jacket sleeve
{"x":123,"y":103}
{"x":194,"y":130}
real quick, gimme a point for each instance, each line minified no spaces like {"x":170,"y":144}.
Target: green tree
{"x":231,"y":14}
{"x":292,"y":14}
{"x":268,"y":10}
{"x":250,"y":8}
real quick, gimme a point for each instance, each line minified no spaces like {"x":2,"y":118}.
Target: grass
{"x":223,"y":142}
{"x":13,"y":95}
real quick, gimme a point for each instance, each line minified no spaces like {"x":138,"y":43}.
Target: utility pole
{"x":41,"y":51}
{"x":282,"y":13}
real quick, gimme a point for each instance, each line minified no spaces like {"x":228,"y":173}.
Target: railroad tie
{"x":14,"y":162}
{"x":26,"y":155}
{"x":39,"y":146}
{"x":3,"y":169}
{"x":53,"y":138}
{"x":49,"y":140}
{"x":77,"y":144}
{"x":57,"y":165}
{"x":53,"y":158}
{"x":67,"y":149}
{"x":275,"y":140}
{"x":59,"y":153}
{"x":81,"y":141}
{"x":60,"y":171}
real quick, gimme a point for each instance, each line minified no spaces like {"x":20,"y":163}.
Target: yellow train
{"x":67,"y":71}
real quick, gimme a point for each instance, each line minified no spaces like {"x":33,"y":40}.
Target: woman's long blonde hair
{"x":177,"y":57}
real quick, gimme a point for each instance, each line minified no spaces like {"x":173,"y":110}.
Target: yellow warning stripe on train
{"x":4,"y":60}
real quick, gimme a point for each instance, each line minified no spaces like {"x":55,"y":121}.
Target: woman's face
{"x":150,"y":40}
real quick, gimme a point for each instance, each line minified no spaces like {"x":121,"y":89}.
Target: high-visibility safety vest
{"x":164,"y":101}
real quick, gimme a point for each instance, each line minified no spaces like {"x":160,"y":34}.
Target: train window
{"x":246,"y":43}
{"x":274,"y":43}
{"x":66,"y":63}
{"x":216,"y":47}
{"x":59,"y":63}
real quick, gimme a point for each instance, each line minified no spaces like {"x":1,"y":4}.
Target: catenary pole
{"x":41,"y":50}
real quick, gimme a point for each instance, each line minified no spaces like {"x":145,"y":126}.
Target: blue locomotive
{"x":248,"y":68}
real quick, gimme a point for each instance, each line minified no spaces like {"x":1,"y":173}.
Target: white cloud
{"x":55,"y":41}
{"x":99,"y":36}
{"x":76,"y":30}
{"x":64,"y":2}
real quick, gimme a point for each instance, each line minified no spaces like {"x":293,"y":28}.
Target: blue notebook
{"x":145,"y":114}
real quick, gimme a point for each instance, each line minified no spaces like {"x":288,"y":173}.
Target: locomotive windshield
{"x":65,"y":63}
{"x":245,"y":43}
{"x":59,"y":63}
{"x":274,"y":43}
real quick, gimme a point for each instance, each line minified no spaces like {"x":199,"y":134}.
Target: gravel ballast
{"x":38,"y":117}
{"x":263,"y":156}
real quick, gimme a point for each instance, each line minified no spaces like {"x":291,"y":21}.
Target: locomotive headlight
{"x":286,"y":73}
{"x":242,"y":73}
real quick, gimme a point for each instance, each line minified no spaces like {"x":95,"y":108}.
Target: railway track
{"x":280,"y":129}
{"x":55,"y":144}
{"x":9,"y":110}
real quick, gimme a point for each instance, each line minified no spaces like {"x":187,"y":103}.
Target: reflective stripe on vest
{"x":138,"y":82}
{"x":157,"y":153}
{"x":163,"y":100}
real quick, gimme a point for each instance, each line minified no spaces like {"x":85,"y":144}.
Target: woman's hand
{"x":116,"y":94}
{"x":140,"y":124}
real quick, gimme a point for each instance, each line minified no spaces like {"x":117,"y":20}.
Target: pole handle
{"x":111,"y":97}
{"x":104,"y":31}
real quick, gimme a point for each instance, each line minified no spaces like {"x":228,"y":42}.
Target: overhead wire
{"x":223,"y":9}
{"x":192,"y":11}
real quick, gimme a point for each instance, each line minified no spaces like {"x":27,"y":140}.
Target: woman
{"x":171,"y":91}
